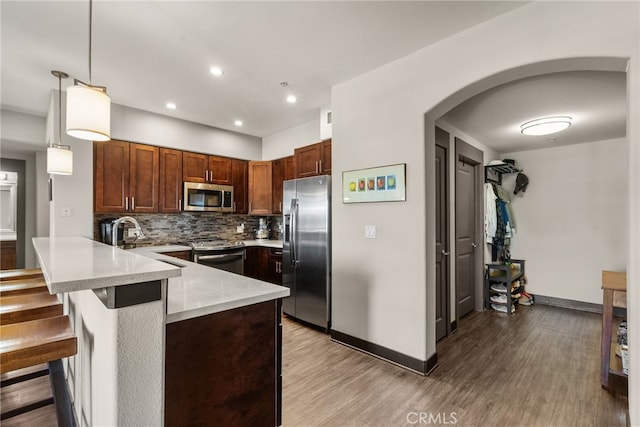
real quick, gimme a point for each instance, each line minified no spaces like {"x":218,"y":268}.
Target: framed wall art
{"x":379,"y":184}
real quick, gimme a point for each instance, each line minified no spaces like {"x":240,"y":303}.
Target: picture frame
{"x":377,"y":184}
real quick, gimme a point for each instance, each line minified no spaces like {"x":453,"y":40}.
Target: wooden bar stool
{"x":25,"y":273}
{"x":22,"y":287}
{"x":614,"y":293}
{"x":22,"y":308}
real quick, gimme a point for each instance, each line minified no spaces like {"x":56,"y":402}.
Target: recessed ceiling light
{"x":238,"y":123}
{"x":171,"y":105}
{"x":546,"y":125}
{"x":291,"y":99}
{"x":216,"y":71}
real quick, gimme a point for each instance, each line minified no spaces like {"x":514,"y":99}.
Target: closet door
{"x":468,"y":214}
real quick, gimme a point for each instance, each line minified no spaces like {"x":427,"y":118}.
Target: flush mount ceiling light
{"x":216,"y":71}
{"x":291,"y":99}
{"x":238,"y":123}
{"x":59,"y":157}
{"x":88,"y":106}
{"x":546,"y":125}
{"x":171,"y":106}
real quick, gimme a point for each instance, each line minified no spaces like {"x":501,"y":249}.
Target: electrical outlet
{"x":370,"y":231}
{"x":132,"y":232}
{"x":66,"y":211}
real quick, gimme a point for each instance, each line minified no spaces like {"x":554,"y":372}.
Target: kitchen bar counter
{"x":202,"y":290}
{"x":72,"y":264}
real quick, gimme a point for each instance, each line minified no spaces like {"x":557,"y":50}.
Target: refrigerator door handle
{"x":294,"y":224}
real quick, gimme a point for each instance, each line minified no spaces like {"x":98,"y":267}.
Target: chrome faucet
{"x":117,"y":222}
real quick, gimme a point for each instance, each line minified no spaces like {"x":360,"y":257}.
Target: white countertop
{"x":77,"y":263}
{"x":264,"y":242}
{"x":202,"y":290}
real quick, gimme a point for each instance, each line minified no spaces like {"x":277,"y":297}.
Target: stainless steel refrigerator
{"x":306,"y":252}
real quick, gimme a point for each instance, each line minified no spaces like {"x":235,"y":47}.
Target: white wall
{"x":571,"y":221}
{"x":130,"y":124}
{"x":383,"y":289}
{"x":283,"y":143}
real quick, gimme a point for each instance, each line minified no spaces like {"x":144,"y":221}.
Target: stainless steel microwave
{"x":207,"y":197}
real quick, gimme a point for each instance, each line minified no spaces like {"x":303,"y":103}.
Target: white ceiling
{"x":149,"y":53}
{"x":596,"y":100}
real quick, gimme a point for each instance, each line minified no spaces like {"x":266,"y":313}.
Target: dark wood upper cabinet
{"x":289,"y":168}
{"x":220,"y":170}
{"x":314,"y":159}
{"x":260,"y":188}
{"x":170,"y":181}
{"x":195,"y":167}
{"x":111,"y":176}
{"x":325,"y":157}
{"x":125,"y":177}
{"x":144,"y":161}
{"x":239,"y":172}
{"x":277,"y":176}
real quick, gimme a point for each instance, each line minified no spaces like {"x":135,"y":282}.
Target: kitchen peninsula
{"x":207,"y":348}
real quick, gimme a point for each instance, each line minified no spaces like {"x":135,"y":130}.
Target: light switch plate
{"x":370,"y":231}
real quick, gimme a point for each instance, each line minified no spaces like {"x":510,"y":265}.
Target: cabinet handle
{"x":280,"y":204}
{"x":320,"y":168}
{"x":316,"y":166}
{"x":249,"y":207}
{"x":211,"y":175}
{"x":206,"y":175}
{"x":234,"y":207}
{"x":126,"y":203}
{"x":133,"y":203}
{"x":180,"y":204}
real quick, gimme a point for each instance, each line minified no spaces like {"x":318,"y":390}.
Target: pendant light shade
{"x":59,"y":160}
{"x":88,"y":106}
{"x":59,"y":157}
{"x":88,"y":113}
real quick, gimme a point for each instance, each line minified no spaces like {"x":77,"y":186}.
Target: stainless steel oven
{"x":219,"y":254}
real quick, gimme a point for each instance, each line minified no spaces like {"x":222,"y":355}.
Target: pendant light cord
{"x":90,"y":32}
{"x":59,"y":109}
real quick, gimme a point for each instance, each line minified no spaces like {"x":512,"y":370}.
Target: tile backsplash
{"x":186,"y":226}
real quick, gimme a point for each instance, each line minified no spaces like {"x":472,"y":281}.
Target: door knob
{"x":474,"y":245}
{"x":444,"y":253}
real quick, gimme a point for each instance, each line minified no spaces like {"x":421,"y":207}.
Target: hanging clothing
{"x":490,"y":215}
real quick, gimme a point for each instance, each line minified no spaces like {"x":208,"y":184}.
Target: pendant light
{"x":88,"y":106}
{"x":59,"y":157}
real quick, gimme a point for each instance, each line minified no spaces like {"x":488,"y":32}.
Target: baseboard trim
{"x":576,"y":305}
{"x":422,"y":367}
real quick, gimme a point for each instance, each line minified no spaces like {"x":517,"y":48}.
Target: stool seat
{"x":22,"y":286}
{"x":21,"y":308}
{"x":36,"y":341}
{"x":25,"y":273}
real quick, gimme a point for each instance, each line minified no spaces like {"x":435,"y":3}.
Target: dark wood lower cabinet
{"x":185,"y":255}
{"x":225,"y":368}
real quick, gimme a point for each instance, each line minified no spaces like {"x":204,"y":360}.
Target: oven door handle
{"x":224,"y":256}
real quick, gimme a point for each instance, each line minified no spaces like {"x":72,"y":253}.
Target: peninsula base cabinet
{"x":225,"y":368}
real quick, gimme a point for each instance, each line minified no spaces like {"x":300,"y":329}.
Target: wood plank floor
{"x":539,"y":367}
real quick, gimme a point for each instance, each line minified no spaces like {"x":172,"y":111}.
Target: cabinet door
{"x":220,"y":170}
{"x":143,"y":178}
{"x":239,"y":171}
{"x":277,"y":176}
{"x":260,"y":185}
{"x":274,"y":274}
{"x":185,"y":255}
{"x":195,"y":167}
{"x":307,"y":160}
{"x":252,"y":261}
{"x":170,"y":181}
{"x":111,"y":176}
{"x":325,"y":158}
{"x":289,"y":169}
